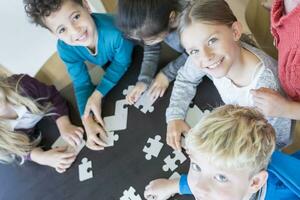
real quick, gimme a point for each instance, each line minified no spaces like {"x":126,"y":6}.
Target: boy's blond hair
{"x":234,"y":137}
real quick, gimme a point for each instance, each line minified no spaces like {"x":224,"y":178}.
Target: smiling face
{"x":73,"y":24}
{"x":213,"y":47}
{"x":209,"y":182}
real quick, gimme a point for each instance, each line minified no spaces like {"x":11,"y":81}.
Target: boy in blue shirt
{"x":85,"y":37}
{"x":230,"y":150}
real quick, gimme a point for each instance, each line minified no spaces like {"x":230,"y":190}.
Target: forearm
{"x":149,"y":64}
{"x":170,"y":71}
{"x":292,"y":110}
{"x":36,"y":155}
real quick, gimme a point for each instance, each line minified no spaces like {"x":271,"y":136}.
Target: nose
{"x":73,"y":29}
{"x":205,"y":57}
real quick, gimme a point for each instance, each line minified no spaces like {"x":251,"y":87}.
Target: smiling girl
{"x":210,"y":34}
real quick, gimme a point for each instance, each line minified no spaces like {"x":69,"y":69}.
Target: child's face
{"x":73,"y":24}
{"x":210,"y":182}
{"x":213,"y":48}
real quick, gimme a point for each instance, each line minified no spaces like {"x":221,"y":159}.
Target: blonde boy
{"x":229,"y":150}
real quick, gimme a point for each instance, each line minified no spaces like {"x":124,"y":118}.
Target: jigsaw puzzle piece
{"x":85,"y":170}
{"x":119,"y":120}
{"x":111,"y":138}
{"x":154,"y":148}
{"x":145,"y":103}
{"x":130,"y":195}
{"x":170,"y":162}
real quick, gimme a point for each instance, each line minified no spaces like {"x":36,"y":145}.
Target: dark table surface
{"x":116,"y":168}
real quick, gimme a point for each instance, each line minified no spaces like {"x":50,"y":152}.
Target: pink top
{"x":286,"y":32}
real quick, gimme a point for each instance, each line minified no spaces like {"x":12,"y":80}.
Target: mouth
{"x":82,"y":37}
{"x":215,"y":65}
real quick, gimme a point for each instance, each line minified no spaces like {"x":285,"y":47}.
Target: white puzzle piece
{"x":194,"y":115}
{"x":130,"y":195}
{"x":145,"y":103}
{"x":111,"y":138}
{"x":85,"y":170}
{"x":175,"y":175}
{"x":119,"y":120}
{"x":154,"y":148}
{"x":170,"y":162}
{"x":60,"y":142}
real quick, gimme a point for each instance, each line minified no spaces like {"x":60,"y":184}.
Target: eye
{"x":195,"y":167}
{"x":194,"y":52}
{"x":212,"y":41}
{"x":221,"y":178}
{"x":61,"y":30}
{"x":76,"y":17}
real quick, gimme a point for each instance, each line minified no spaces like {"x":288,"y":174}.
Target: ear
{"x":173,"y":19}
{"x":237,"y":30}
{"x":258,"y":181}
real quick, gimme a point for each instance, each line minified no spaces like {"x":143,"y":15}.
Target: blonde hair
{"x":234,"y":137}
{"x":16,"y":145}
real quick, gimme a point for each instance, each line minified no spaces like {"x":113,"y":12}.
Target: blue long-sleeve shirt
{"x":111,"y":47}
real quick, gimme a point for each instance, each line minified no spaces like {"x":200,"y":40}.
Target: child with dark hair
{"x":150,"y":22}
{"x":85,"y":37}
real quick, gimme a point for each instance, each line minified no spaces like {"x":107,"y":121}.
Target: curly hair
{"x":37,"y":10}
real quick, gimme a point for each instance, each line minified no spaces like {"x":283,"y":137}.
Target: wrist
{"x":62,"y":121}
{"x":36,"y":155}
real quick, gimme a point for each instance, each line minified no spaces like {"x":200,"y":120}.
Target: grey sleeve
{"x":184,"y":90}
{"x":282,"y":126}
{"x":149,"y":64}
{"x":170,"y":71}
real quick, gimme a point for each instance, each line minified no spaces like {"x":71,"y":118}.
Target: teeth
{"x":214,"y":65}
{"x":82,"y":37}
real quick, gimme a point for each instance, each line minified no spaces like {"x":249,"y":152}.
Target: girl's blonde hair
{"x":234,"y":137}
{"x":15,"y":145}
{"x":210,"y":12}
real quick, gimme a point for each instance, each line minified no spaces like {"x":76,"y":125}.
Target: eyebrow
{"x":214,"y":33}
{"x":70,"y":16}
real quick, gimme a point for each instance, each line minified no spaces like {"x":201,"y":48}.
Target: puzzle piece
{"x":130,"y":195}
{"x":119,"y":120}
{"x":111,"y":138}
{"x":145,"y":103}
{"x":170,"y":163}
{"x":60,"y":142}
{"x":154,"y":148}
{"x":85,"y":170}
{"x":128,"y":90}
{"x":194,"y":115}
{"x":183,"y":143}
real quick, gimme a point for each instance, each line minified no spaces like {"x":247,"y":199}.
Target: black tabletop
{"x":116,"y":168}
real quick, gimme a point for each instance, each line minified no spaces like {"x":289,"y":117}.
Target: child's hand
{"x":136,"y":93}
{"x":159,"y":86}
{"x":174,"y":130}
{"x":93,"y":106}
{"x":161,"y":189}
{"x":96,"y":135}
{"x":267,"y":4}
{"x":57,"y":158}
{"x":270,"y":102}
{"x":69,"y":132}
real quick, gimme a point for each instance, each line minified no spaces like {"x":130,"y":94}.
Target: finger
{"x":87,"y":111}
{"x":177,"y":142}
{"x":96,"y":112}
{"x":64,"y":166}
{"x":94,"y":147}
{"x":68,"y":161}
{"x":162,"y":92}
{"x":61,"y":148}
{"x":64,"y":155}
{"x":59,"y":170}
{"x":152,"y":89}
{"x":79,"y":133}
{"x":76,"y":140}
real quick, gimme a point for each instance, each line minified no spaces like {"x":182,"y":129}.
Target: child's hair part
{"x":234,"y":137}
{"x":37,"y":10}
{"x":207,"y":11}
{"x":15,"y":145}
{"x":146,"y":18}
